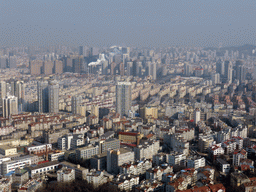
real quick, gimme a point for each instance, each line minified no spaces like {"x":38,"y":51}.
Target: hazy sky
{"x":127,"y":22}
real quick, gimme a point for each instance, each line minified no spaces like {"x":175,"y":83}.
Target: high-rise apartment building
{"x":77,"y":64}
{"x":2,"y":90}
{"x":215,"y":77}
{"x":18,"y":90}
{"x":53,"y":97}
{"x":220,"y":67}
{"x":197,"y":116}
{"x":3,"y":62}
{"x":58,"y":67}
{"x":123,"y":98}
{"x":228,"y":72}
{"x":12,"y":62}
{"x":81,"y":50}
{"x":48,"y":67}
{"x":42,"y":95}
{"x":76,"y":102}
{"x":153,"y":71}
{"x":36,"y":67}
{"x":187,"y":69}
{"x":10,"y":106}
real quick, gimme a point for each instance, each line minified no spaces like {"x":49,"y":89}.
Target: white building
{"x":65,"y":175}
{"x":125,"y":182}
{"x":176,"y":158}
{"x":10,"y":106}
{"x":223,"y":166}
{"x":116,"y":158}
{"x":135,"y":168}
{"x":195,"y":162}
{"x":39,"y":148}
{"x":197,"y":116}
{"x":97,"y":178}
{"x":147,"y":150}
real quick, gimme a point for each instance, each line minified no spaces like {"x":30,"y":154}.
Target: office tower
{"x":53,"y":97}
{"x":215,"y":77}
{"x":153,"y":70}
{"x":12,"y":62}
{"x":3,"y":62}
{"x":228,"y":72}
{"x":187,"y":69}
{"x":48,"y":67}
{"x":58,"y":67}
{"x":81,"y":50}
{"x":18,"y":90}
{"x":42,"y":96}
{"x":76,"y":102}
{"x":121,"y":69}
{"x":36,"y":67}
{"x":220,"y":67}
{"x":197,"y":116}
{"x":10,"y":106}
{"x":123,"y":98}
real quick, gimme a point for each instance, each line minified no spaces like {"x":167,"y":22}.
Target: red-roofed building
{"x":238,"y":155}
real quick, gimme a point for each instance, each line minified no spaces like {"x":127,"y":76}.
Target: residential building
{"x":116,"y":158}
{"x":65,"y":175}
{"x":87,"y":152}
{"x":123,"y":98}
{"x":195,"y":162}
{"x":147,"y":150}
{"x":10,"y":106}
{"x":125,"y":182}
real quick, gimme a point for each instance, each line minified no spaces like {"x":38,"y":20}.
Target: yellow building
{"x":149,"y":112}
{"x":130,"y":137}
{"x":7,"y":150}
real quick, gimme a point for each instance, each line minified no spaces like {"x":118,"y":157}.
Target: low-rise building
{"x":56,"y":156}
{"x":31,"y":185}
{"x":6,"y":184}
{"x":176,"y":158}
{"x":97,"y":178}
{"x":43,"y":168}
{"x":80,"y":172}
{"x":195,"y":162}
{"x":7,"y":150}
{"x":125,"y":182}
{"x":87,"y":152}
{"x":147,"y":150}
{"x":135,"y":168}
{"x":223,"y":166}
{"x":65,"y":175}
{"x":116,"y":158}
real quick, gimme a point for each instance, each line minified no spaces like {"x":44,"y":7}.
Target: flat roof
{"x":47,"y":164}
{"x":6,"y":147}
